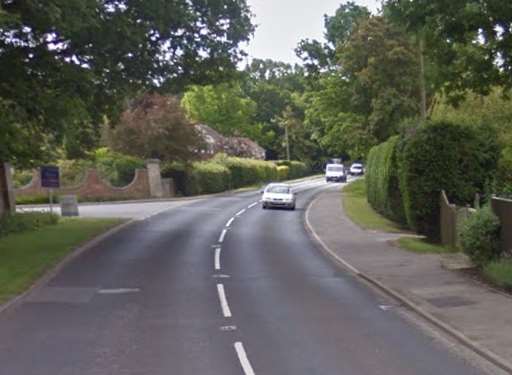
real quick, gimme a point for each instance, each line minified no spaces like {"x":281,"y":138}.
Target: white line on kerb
{"x":223,"y":301}
{"x":217,"y":258}
{"x":242,"y":357}
{"x":252,"y":205}
{"x":228,"y":224}
{"x":240,"y":212}
{"x":222,"y":235}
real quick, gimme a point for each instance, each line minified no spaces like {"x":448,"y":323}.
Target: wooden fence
{"x":503,"y":209}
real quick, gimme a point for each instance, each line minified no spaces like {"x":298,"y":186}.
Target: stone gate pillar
{"x":155,"y":178}
{"x":7,"y":199}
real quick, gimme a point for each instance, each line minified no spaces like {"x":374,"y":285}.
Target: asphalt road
{"x":218,"y":287}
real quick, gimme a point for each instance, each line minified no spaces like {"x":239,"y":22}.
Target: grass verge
{"x":360,"y":212}
{"x":422,"y":246}
{"x":499,"y":273}
{"x":24,"y":257}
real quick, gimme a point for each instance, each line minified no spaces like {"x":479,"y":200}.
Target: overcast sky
{"x":281,"y":24}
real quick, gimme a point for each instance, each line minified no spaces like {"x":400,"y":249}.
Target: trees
{"x":65,"y":65}
{"x":470,"y":40}
{"x":223,"y":107}
{"x":155,"y":126}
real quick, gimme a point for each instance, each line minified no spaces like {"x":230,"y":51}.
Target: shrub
{"x":282,"y":172}
{"x":21,"y":177}
{"x":439,"y":156}
{"x":207,"y":177}
{"x":178,"y":172}
{"x":34,"y":199}
{"x":480,"y":236}
{"x":72,"y":172}
{"x":382,"y":180}
{"x":117,"y":168}
{"x":21,"y":222}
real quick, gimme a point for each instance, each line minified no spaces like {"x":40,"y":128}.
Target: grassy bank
{"x":360,"y":212}
{"x":499,"y":273}
{"x":24,"y":257}
{"x":422,"y":246}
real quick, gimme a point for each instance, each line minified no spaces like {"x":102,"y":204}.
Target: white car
{"x":335,"y":172}
{"x":356,"y":169}
{"x":278,"y":195}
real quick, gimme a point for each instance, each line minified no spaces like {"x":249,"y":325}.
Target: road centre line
{"x":119,"y":291}
{"x":226,"y":311}
{"x":230,"y":221}
{"x":222,"y":235}
{"x":241,"y":212}
{"x":242,"y":357}
{"x":217,"y":258}
{"x":252,"y":205}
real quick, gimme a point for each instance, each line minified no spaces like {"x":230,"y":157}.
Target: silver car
{"x":278,"y":195}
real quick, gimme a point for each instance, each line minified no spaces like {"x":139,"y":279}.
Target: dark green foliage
{"x":443,"y":156}
{"x":382,"y":180}
{"x":245,"y":172}
{"x":26,"y":221}
{"x":207,"y":177}
{"x":480,"y":236}
{"x":65,"y":65}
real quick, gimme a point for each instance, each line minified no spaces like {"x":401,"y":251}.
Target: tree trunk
{"x":7,"y":202}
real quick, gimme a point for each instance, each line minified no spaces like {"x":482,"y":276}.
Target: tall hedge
{"x":382,"y":181}
{"x":207,"y":177}
{"x":245,"y":172}
{"x":441,"y":155}
{"x":296,"y":169}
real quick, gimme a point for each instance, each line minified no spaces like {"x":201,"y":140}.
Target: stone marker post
{"x":155,"y":178}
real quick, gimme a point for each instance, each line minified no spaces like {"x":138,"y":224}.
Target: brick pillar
{"x":7,"y":200}
{"x":155,"y":178}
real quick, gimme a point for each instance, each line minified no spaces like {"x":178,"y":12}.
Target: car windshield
{"x":278,"y":189}
{"x":335,"y":168}
{"x":357,"y":166}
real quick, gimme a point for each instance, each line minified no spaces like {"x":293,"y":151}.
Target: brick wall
{"x":93,"y":187}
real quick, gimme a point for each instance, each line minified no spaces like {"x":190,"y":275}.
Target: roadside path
{"x":481,"y":315}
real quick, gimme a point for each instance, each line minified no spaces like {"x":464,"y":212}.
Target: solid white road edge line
{"x":242,"y":357}
{"x":222,"y":235}
{"x":119,"y":291}
{"x":223,"y":301}
{"x":240,"y":212}
{"x":217,"y":258}
{"x":230,"y":221}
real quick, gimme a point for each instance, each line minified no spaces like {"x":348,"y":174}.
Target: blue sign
{"x":50,"y":177}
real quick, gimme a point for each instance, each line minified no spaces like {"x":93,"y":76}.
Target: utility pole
{"x":287,"y":140}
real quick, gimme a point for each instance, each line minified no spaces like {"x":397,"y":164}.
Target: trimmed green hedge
{"x":443,"y":156}
{"x":382,"y":181}
{"x":282,"y":172}
{"x":297,"y":169}
{"x":246,"y":172}
{"x":207,"y":177}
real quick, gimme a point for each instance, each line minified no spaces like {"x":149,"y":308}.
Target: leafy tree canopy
{"x":65,"y":65}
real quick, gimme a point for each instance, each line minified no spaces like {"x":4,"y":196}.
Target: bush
{"x":207,"y":177}
{"x":480,"y":236}
{"x":21,"y":177}
{"x":382,"y":180}
{"x":21,"y":222}
{"x":282,"y":172}
{"x":178,"y":172}
{"x":443,"y":156}
{"x":34,"y":199}
{"x":118,"y":169}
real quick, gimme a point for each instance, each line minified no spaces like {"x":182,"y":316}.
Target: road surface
{"x":218,"y":287}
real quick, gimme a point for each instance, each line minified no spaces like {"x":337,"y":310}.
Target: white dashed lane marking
{"x":228,"y":224}
{"x":242,"y":357}
{"x":222,"y":235}
{"x":226,"y":311}
{"x":241,"y":212}
{"x":217,"y":259}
